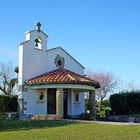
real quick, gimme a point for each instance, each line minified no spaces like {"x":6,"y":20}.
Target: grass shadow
{"x":16,"y":125}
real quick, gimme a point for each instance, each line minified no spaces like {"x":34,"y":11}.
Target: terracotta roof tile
{"x":62,"y":76}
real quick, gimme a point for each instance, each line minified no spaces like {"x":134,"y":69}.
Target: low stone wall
{"x":45,"y":117}
{"x":123,"y":118}
{"x":11,"y":115}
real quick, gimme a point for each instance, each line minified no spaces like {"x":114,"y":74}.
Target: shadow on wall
{"x":11,"y":125}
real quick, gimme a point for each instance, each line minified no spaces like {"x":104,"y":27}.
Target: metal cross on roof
{"x":38,"y":25}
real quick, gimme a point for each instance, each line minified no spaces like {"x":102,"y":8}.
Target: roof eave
{"x":72,"y":83}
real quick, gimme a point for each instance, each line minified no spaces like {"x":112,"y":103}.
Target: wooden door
{"x":51,"y":101}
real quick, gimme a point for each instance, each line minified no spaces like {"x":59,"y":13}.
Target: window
{"x":38,"y":43}
{"x":76,"y":97}
{"x":41,"y":96}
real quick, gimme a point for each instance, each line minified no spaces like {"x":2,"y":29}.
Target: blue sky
{"x":100,"y":34}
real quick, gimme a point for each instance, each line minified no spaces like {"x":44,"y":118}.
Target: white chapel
{"x":51,"y":82}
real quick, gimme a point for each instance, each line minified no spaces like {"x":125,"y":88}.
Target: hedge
{"x":125,"y":103}
{"x":8,"y":103}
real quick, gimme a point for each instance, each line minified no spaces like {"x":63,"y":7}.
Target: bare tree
{"x":107,"y":83}
{"x":128,"y":86}
{"x":7,"y":78}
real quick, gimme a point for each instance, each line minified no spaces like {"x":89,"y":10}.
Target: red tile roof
{"x":62,"y":76}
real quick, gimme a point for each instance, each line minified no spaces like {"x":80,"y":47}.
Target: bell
{"x":36,"y":42}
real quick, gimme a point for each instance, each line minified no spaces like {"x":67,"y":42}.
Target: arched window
{"x":38,"y":43}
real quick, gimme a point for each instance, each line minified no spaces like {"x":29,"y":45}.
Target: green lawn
{"x":63,"y":130}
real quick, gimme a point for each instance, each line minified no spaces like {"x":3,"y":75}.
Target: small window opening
{"x":38,"y":43}
{"x":41,"y":96}
{"x":77,"y":97}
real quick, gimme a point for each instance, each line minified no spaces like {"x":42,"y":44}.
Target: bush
{"x":87,"y":105}
{"x":2,"y":116}
{"x":8,"y":103}
{"x":102,"y":114}
{"x":125,"y":103}
{"x":97,"y":110}
{"x":85,"y":116}
{"x":105,"y":103}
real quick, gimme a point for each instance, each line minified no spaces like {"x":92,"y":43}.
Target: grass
{"x":64,"y":130}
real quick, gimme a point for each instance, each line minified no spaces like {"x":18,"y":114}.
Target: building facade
{"x":51,"y":82}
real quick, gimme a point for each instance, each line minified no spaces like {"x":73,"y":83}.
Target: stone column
{"x":59,"y":103}
{"x":92,"y":103}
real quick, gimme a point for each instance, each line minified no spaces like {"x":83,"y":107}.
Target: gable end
{"x":67,"y":54}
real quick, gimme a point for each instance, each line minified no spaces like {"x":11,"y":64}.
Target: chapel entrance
{"x":51,"y":101}
{"x":65,"y":101}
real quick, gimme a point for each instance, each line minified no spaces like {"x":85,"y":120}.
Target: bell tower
{"x":32,"y":54}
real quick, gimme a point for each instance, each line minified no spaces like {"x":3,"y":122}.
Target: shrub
{"x":85,"y":116}
{"x":125,"y":103}
{"x":87,"y":106}
{"x":97,"y":110}
{"x":1,"y":115}
{"x":102,"y":114}
{"x":105,"y":103}
{"x":8,"y":103}
{"x":107,"y":109}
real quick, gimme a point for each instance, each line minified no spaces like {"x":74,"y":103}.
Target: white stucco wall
{"x":76,"y":108}
{"x":34,"y":105}
{"x":70,"y":63}
{"x":32,"y":61}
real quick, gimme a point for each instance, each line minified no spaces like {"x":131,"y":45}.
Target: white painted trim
{"x":36,"y":30}
{"x":69,"y":86}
